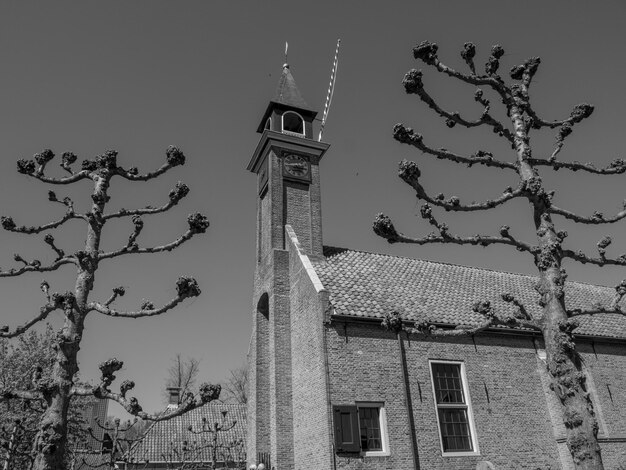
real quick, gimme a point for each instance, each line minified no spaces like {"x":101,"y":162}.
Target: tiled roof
{"x":287,"y":91}
{"x":368,"y":285}
{"x":89,"y":460}
{"x":172,"y":441}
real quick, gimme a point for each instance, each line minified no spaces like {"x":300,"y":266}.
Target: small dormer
{"x":287,"y":112}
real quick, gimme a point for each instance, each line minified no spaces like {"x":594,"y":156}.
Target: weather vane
{"x":286,"y":49}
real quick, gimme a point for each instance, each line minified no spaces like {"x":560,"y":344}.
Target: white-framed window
{"x":361,"y":428}
{"x":373,"y":429}
{"x":292,"y":123}
{"x":455,"y":420}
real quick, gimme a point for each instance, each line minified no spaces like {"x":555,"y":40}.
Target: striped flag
{"x":331,"y":90}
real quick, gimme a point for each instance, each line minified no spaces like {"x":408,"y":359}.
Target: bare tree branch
{"x":175,"y":157}
{"x":409,"y":172}
{"x":35,"y":266}
{"x":197,"y":224}
{"x":600,"y":261}
{"x":427,"y":52}
{"x":406,"y":135}
{"x":179,"y":192}
{"x":49,"y":239}
{"x":117,"y":292}
{"x":596,"y":219}
{"x":580,"y":112}
{"x":182,"y":374}
{"x":595,"y":311}
{"x":186,"y":287}
{"x":67,"y":180}
{"x":206,"y":394}
{"x":44,"y":311}
{"x":393,"y":321}
{"x":383,"y":227}
{"x":9,"y":225}
{"x":613,"y":307}
{"x":616,"y":167}
{"x":413,"y":85}
{"x":521,"y":308}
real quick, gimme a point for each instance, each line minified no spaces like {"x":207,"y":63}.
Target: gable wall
{"x":311,"y":430}
{"x":511,"y":413}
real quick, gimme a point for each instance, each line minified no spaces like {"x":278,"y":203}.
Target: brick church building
{"x":330,"y":388}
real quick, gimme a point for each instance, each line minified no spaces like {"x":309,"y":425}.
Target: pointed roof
{"x":288,"y":95}
{"x":287,"y":92}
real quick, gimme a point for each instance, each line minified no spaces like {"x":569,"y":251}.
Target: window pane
{"x":448,"y":384}
{"x":369,"y":424}
{"x":455,"y":433}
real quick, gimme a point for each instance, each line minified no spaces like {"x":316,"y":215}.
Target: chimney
{"x":174,"y":397}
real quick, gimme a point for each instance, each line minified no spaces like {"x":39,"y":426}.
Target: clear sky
{"x":138,"y":76}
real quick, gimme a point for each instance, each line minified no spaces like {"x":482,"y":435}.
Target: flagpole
{"x":331,"y":90}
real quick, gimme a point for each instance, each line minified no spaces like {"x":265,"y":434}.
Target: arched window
{"x":268,"y":123}
{"x":263,"y":307}
{"x":293,"y":123}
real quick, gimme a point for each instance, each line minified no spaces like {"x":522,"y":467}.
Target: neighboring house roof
{"x":368,"y":285}
{"x":88,"y":460}
{"x":172,"y":441}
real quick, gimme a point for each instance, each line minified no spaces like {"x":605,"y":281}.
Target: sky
{"x":139,"y":76}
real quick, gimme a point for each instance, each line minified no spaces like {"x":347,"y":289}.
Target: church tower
{"x":286,"y":162}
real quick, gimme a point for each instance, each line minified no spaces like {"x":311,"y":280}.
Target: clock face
{"x":297,"y":166}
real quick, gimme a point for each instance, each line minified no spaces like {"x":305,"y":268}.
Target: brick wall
{"x":312,"y":436}
{"x":517,"y":418}
{"x":510,"y":412}
{"x":298,"y":211}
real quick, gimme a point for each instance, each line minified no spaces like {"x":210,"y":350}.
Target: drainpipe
{"x":407,"y":400}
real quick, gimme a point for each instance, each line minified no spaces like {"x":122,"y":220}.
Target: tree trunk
{"x":52,"y":434}
{"x":51,"y":440}
{"x":568,"y":383}
{"x":563,"y":362}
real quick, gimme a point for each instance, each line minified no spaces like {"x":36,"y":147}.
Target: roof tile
{"x":172,"y":442}
{"x":369,"y":285}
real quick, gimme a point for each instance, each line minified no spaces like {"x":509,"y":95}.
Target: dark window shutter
{"x":346,"y":420}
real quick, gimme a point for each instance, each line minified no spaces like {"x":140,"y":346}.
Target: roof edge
{"x":448,"y":326}
{"x":304,"y":259}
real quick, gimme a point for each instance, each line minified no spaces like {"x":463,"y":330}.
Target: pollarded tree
{"x":32,"y":353}
{"x":55,"y":391}
{"x":556,"y":323}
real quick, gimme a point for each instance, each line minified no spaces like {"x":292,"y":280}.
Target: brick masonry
{"x":517,"y":421}
{"x":302,"y":363}
{"x":282,"y":201}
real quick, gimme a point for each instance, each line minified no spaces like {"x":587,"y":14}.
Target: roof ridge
{"x":338,"y":250}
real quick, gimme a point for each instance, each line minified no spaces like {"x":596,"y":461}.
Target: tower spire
{"x":287,"y":91}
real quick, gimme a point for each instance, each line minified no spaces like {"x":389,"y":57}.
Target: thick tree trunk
{"x":568,"y":383}
{"x":51,"y":440}
{"x":52,"y":436}
{"x":563,"y":362}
